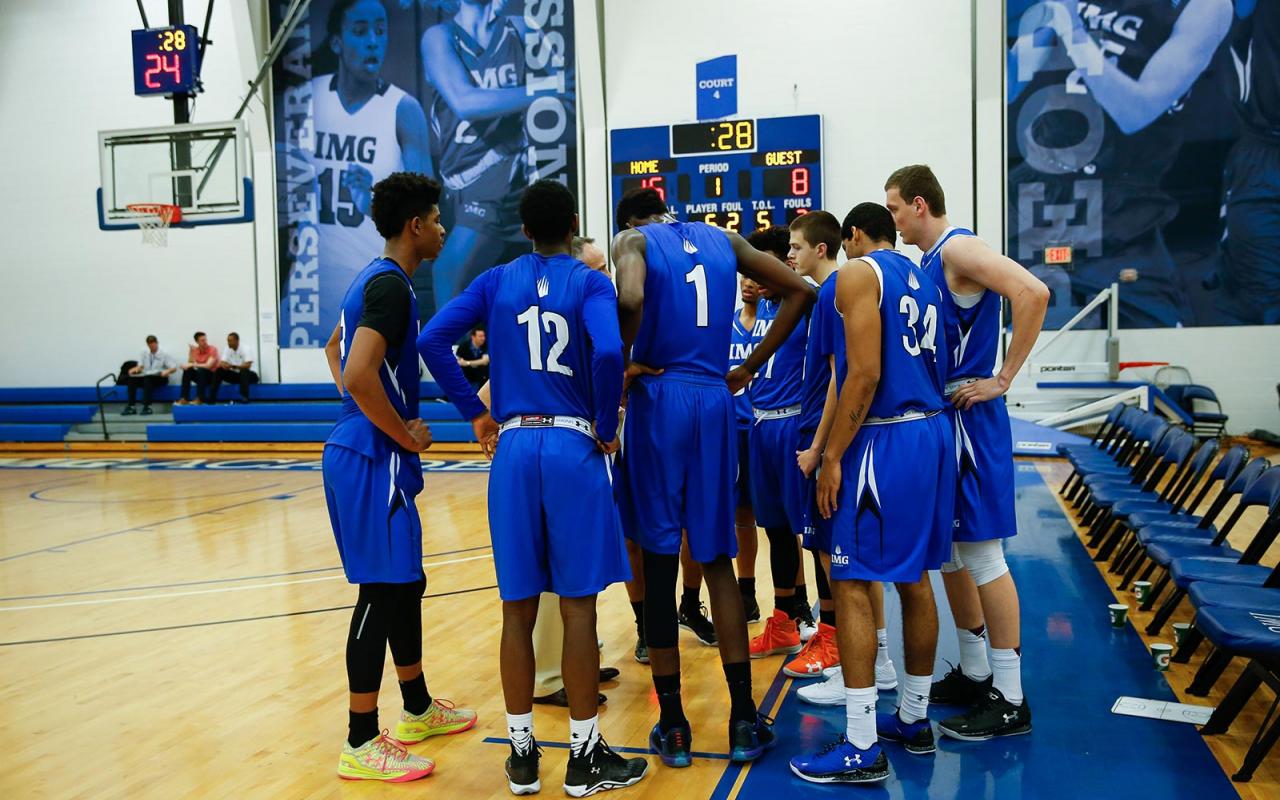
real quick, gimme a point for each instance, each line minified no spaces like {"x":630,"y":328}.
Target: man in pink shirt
{"x":202,"y":360}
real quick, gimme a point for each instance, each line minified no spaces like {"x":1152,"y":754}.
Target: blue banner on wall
{"x":717,"y":87}
{"x":1168,"y":184}
{"x":477,"y":94}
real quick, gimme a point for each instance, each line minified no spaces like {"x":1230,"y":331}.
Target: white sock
{"x":860,"y":716}
{"x":973,"y":653}
{"x":913,"y":697}
{"x":520,"y":732}
{"x":882,"y":648}
{"x":583,"y":735}
{"x":1006,"y":666}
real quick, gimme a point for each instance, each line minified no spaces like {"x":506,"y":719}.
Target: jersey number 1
{"x":550,"y":321}
{"x":698,"y":277}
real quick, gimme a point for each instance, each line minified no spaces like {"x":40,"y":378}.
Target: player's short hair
{"x":151,"y":339}
{"x":775,"y":240}
{"x":580,"y":243}
{"x":872,"y":219}
{"x":233,"y":333}
{"x":400,"y":197}
{"x":546,"y":210}
{"x":638,"y":203}
{"x":197,"y":335}
{"x":819,"y":227}
{"x":338,"y":12}
{"x":917,"y":180}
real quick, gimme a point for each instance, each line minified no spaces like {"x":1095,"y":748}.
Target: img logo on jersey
{"x":334,"y":147}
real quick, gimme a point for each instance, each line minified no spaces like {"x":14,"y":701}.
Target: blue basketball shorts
{"x":895,"y":505}
{"x":777,"y":485}
{"x":680,"y":456}
{"x":742,"y":482}
{"x":552,"y":515}
{"x":817,"y":531}
{"x":375,"y":522}
{"x":984,"y":497}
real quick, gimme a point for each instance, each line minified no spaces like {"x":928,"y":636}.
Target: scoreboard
{"x":739,"y":174}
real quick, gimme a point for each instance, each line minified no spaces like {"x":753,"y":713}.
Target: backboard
{"x":202,"y":168}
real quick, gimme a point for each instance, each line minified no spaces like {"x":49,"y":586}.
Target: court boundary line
{"x":641,"y":751}
{"x":210,"y":623}
{"x":36,"y":496}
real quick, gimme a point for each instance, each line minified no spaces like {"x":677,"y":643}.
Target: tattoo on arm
{"x":855,"y":416}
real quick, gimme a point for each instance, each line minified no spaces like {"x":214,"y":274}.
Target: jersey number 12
{"x":554,"y":324}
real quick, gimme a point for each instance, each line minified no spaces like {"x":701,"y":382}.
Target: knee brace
{"x":956,"y":563}
{"x":984,"y":560}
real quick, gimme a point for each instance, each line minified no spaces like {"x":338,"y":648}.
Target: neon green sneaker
{"x":381,"y":759}
{"x":440,"y":719}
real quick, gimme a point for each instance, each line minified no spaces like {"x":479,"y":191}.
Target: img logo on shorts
{"x":839,"y":559}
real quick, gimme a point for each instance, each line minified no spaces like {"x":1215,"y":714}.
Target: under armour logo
{"x":595,"y":770}
{"x":544,"y":286}
{"x":1009,"y":717}
{"x":866,"y":710}
{"x":849,"y":761}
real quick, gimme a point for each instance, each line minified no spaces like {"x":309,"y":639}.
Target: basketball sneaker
{"x":749,"y":740}
{"x":958,"y":689}
{"x":128,"y":411}
{"x":382,"y":759}
{"x":751,"y":607}
{"x":600,"y":769}
{"x":818,"y":654}
{"x":993,"y":716}
{"x":827,"y":693}
{"x":916,"y":737}
{"x":673,"y":747}
{"x":440,"y":719}
{"x":841,"y":762}
{"x":642,"y":648}
{"x":805,"y":622}
{"x":522,"y":770}
{"x":779,"y":636}
{"x":693,"y":618}
{"x":886,"y":677}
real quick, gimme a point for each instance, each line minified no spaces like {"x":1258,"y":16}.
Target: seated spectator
{"x":202,"y":360}
{"x":473,"y":357}
{"x":153,"y":369}
{"x":234,"y":367}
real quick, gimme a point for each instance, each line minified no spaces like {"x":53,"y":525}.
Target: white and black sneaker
{"x":693,"y":618}
{"x":958,"y":689}
{"x":993,"y":716}
{"x":601,"y":769}
{"x":522,"y":770}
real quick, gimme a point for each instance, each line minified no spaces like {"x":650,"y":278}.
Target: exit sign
{"x":1058,"y":254}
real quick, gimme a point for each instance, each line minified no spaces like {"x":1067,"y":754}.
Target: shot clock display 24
{"x":165,"y":60}
{"x":739,"y":174}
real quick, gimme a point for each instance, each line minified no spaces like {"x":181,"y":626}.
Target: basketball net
{"x":154,"y":220}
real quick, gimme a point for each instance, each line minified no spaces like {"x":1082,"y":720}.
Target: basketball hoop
{"x":154,"y":220}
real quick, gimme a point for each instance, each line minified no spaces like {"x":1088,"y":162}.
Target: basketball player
{"x":885,"y":486}
{"x":372,"y":475}
{"x":1100,"y":127}
{"x":556,"y":386}
{"x":824,"y":358}
{"x":676,"y":287}
{"x":983,"y":598}
{"x":476,"y":62}
{"x":366,"y":129}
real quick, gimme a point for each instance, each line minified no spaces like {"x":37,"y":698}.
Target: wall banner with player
{"x":1143,"y":148}
{"x":478,"y":94}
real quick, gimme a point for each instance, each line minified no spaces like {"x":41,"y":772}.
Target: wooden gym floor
{"x":173,"y":624}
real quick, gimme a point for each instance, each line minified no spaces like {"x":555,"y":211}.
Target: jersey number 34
{"x":921,"y":333}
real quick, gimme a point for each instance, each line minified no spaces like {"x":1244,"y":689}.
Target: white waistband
{"x":471,"y":174}
{"x":910,"y":415}
{"x":547,"y":421}
{"x":951,"y":386}
{"x":776,"y":413}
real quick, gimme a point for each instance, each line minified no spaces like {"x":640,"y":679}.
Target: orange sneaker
{"x":819,"y":653}
{"x":780,"y":635}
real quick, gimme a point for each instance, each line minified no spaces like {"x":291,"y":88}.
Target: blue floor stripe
{"x":639,"y":751}
{"x":1075,"y":666}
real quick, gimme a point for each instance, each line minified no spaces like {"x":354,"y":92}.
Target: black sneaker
{"x":642,"y":650}
{"x":993,"y":716}
{"x":673,"y":746}
{"x":751,"y":607}
{"x":601,"y":769}
{"x":146,"y":410}
{"x":522,"y":771}
{"x":694,"y":618}
{"x":916,"y":737}
{"x":958,"y":689}
{"x":129,"y":411}
{"x":749,"y":740}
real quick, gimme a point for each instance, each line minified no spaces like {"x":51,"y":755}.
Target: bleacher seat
{"x":48,"y":413}
{"x":18,"y":432}
{"x":280,"y":432}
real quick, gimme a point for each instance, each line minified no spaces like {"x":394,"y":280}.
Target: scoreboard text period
{"x":739,"y":174}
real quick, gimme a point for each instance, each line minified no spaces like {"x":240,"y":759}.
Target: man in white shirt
{"x":153,"y":369}
{"x":234,"y":367}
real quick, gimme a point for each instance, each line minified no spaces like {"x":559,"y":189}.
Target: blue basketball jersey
{"x":826,"y":338}
{"x":554,"y":345}
{"x":399,"y":370}
{"x":779,"y":383}
{"x":911,"y":336}
{"x":740,"y":346}
{"x":690,"y":286}
{"x":973,"y":329}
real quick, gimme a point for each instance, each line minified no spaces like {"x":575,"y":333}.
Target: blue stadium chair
{"x":1264,"y":667}
{"x":1097,"y":447}
{"x":1206,"y":424}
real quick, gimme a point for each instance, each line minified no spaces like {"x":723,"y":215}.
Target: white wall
{"x":78,"y":300}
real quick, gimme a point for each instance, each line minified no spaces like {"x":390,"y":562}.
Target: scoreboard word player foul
{"x":739,"y":174}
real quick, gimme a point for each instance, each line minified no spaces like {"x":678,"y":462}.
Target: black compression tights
{"x":784,"y":556}
{"x":385,"y":613}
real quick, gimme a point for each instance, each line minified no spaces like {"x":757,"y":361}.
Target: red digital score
{"x":161,"y":63}
{"x":1058,"y":254}
{"x":655,"y":183}
{"x":800,"y":181}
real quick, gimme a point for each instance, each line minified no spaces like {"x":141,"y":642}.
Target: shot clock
{"x":165,"y":60}
{"x":739,"y":174}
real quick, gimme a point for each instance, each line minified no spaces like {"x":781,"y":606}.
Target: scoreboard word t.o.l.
{"x":738,"y":174}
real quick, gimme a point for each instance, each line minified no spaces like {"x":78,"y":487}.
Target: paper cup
{"x":1142,"y":590}
{"x":1119,"y":613}
{"x":1180,"y":630}
{"x":1160,"y":653}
